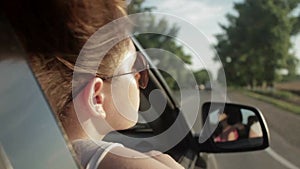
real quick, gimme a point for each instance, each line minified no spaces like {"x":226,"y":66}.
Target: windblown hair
{"x":60,"y":28}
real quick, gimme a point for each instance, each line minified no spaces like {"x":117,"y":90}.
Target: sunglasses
{"x":140,"y":66}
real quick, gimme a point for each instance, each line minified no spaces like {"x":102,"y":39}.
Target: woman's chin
{"x":131,"y":124}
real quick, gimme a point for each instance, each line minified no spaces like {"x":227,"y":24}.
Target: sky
{"x":206,"y":16}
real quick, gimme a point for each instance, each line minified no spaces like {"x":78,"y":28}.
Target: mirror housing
{"x":230,"y":127}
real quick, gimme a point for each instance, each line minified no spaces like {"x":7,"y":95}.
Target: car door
{"x":30,"y":137}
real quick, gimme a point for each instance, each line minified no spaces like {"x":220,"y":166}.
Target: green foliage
{"x":256,"y":43}
{"x":164,"y":42}
{"x":202,"y":76}
{"x":136,"y":6}
{"x":279,"y":94}
{"x":293,"y":4}
{"x":294,"y":108}
{"x":288,"y":78}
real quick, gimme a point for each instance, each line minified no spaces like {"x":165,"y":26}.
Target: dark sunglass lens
{"x":143,"y":82}
{"x":140,"y":65}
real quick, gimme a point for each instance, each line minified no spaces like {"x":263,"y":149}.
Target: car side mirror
{"x":229,"y":127}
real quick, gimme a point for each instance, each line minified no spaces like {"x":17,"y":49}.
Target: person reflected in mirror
{"x":235,"y":118}
{"x":254,"y":127}
{"x":225,"y":132}
{"x":53,"y":33}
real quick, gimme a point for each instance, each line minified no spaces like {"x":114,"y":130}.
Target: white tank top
{"x":91,"y":153}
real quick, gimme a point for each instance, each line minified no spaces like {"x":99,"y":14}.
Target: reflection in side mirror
{"x":235,"y":124}
{"x":234,"y":127}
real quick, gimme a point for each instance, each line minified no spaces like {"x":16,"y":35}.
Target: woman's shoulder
{"x":90,"y":144}
{"x":90,"y":153}
{"x":96,"y":155}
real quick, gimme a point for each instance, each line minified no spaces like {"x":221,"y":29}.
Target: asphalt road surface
{"x":284,"y":151}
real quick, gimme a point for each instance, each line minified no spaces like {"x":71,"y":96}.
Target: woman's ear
{"x":93,"y":97}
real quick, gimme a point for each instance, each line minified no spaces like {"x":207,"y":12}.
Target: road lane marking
{"x":281,"y":159}
{"x":213,"y":161}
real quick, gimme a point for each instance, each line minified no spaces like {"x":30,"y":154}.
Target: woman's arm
{"x":233,"y":135}
{"x":121,"y":157}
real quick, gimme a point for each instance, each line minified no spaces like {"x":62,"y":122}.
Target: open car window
{"x":29,"y":134}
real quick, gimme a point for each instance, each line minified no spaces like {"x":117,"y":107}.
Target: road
{"x":284,"y":127}
{"x":284,"y":151}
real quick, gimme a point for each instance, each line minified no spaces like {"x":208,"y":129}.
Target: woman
{"x":225,"y":131}
{"x":53,"y":34}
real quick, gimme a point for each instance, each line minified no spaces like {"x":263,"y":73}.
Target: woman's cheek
{"x":126,"y":98}
{"x":134,"y":94}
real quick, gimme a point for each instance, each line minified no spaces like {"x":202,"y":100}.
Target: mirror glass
{"x":236,"y":127}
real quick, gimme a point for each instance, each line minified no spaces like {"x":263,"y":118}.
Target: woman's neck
{"x":74,"y":130}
